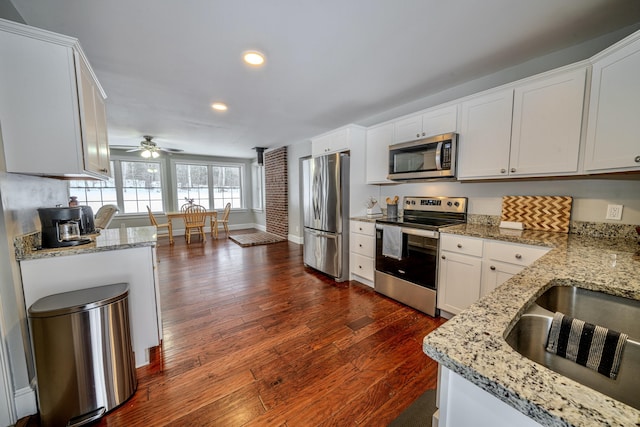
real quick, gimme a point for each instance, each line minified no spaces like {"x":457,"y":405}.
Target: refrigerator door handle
{"x":326,"y":235}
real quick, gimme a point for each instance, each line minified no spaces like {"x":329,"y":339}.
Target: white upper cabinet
{"x":433,"y":122}
{"x":547,"y":119}
{"x":378,"y":140}
{"x":613,"y":130}
{"x":333,"y":142}
{"x":485,"y":135}
{"x":530,"y":130}
{"x":52,"y":114}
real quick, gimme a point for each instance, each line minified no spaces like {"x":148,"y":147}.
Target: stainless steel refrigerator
{"x":325,"y":205}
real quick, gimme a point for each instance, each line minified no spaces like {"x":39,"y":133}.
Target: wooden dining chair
{"x":154,"y":222}
{"x":224,"y":220}
{"x":194,"y":219}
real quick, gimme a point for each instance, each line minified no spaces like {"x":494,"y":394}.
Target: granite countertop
{"x":472,"y":343}
{"x":108,"y":240}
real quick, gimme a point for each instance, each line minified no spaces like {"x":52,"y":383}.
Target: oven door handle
{"x":419,"y":232}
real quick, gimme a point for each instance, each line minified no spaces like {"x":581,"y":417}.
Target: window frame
{"x":118,"y":181}
{"x":210,"y":164}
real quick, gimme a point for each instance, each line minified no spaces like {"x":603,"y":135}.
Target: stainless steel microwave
{"x":428,"y":158}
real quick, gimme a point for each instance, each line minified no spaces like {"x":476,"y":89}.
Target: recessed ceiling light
{"x":219,"y":106}
{"x":253,"y":58}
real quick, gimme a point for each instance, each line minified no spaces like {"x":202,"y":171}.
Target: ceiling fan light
{"x":155,"y":154}
{"x":146,"y":154}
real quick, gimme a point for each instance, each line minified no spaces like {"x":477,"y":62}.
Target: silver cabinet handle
{"x":360,"y":245}
{"x":503,"y":171}
{"x":493,"y":267}
{"x":637,"y":159}
{"x":105,"y":170}
{"x":518,"y":256}
{"x":459,"y":245}
{"x":423,"y":134}
{"x":417,"y":135}
{"x":513,"y":169}
{"x":443,"y":257}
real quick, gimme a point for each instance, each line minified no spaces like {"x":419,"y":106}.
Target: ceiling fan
{"x":148,"y":148}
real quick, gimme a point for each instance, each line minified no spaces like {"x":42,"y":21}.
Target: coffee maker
{"x":61,"y":227}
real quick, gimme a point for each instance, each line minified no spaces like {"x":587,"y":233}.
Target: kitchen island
{"x":472,"y":346}
{"x":114,"y":256}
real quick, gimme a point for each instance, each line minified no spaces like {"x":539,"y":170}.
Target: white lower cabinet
{"x":503,"y":260}
{"x":462,"y":403}
{"x":471,"y":268}
{"x":135,"y":266}
{"x":362,"y":251}
{"x":460,"y":272}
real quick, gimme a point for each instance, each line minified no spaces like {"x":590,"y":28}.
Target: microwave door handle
{"x":439,"y":156}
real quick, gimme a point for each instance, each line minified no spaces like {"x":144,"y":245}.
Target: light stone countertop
{"x":108,"y":240}
{"x":472,"y":343}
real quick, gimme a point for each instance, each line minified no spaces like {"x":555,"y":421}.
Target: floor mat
{"x":255,"y":239}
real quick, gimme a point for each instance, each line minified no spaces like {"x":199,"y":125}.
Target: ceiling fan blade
{"x":125,"y":147}
{"x":170,"y":150}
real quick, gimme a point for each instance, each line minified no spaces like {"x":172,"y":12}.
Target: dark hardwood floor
{"x":252,"y":338}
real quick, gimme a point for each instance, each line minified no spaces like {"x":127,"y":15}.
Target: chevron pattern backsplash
{"x":546,"y":213}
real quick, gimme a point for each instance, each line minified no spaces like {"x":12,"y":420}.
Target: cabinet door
{"x":547,"y":120}
{"x":495,"y":273}
{"x":459,"y":281}
{"x":408,"y":129}
{"x":38,"y":106}
{"x":334,"y":142}
{"x":485,"y":136}
{"x":439,"y":121}
{"x":377,"y":154}
{"x":613,"y":133}
{"x":89,"y":120}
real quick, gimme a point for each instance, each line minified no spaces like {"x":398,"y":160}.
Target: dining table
{"x":212,"y":215}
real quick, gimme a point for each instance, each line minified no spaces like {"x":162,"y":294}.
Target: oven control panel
{"x":436,"y":204}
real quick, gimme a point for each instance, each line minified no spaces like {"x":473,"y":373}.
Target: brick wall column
{"x":276,"y":192}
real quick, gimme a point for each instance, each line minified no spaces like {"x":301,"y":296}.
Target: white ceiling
{"x":329,"y":62}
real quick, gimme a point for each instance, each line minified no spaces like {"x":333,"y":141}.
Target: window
{"x":257,"y":187}
{"x":209,"y":185}
{"x":141,"y":186}
{"x":192,"y":182}
{"x":135,"y":185}
{"x":94,"y":193}
{"x":226,"y":186}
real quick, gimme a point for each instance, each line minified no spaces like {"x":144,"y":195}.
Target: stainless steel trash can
{"x":84,"y":359}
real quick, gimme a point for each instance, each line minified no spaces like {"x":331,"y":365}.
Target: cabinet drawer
{"x":461,"y":244}
{"x":368,"y":228}
{"x":513,"y":253}
{"x":363,"y":244}
{"x":362,"y":266}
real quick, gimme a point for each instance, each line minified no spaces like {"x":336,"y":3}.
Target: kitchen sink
{"x":529,"y":336}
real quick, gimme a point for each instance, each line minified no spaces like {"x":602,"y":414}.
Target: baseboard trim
{"x":26,"y":401}
{"x":295,"y":239}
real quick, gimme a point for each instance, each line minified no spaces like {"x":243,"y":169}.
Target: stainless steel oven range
{"x":407,"y":250}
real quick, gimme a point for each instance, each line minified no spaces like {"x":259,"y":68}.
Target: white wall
{"x":20,"y":196}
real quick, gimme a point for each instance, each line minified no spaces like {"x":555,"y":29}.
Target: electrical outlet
{"x":614,"y":212}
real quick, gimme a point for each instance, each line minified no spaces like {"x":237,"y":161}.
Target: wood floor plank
{"x":253,"y":338}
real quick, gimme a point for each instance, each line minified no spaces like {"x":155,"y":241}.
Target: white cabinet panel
{"x":135,"y":266}
{"x":433,"y":122}
{"x":459,"y":281}
{"x":377,"y":163}
{"x":532,"y":130}
{"x":334,"y":142}
{"x":613,"y":132}
{"x":461,"y":244}
{"x":547,"y":120}
{"x":50,"y":104}
{"x":495,"y":273}
{"x":485,"y":135}
{"x":362,"y":247}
